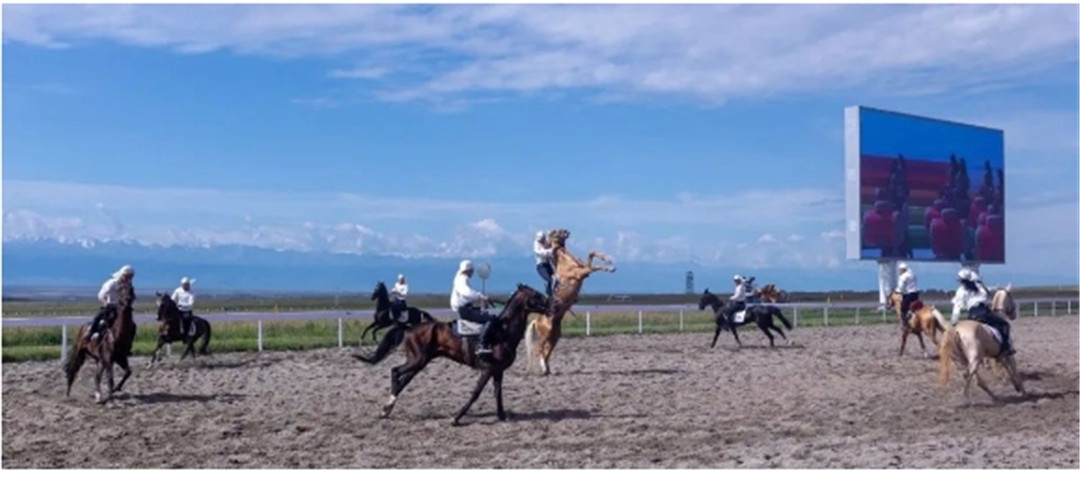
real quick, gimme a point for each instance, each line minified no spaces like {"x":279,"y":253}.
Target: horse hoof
{"x":455,"y":422}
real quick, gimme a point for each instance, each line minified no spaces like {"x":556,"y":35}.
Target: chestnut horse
{"x":431,"y":340}
{"x":544,"y":330}
{"x":924,"y":319}
{"x":770,"y":293}
{"x":112,"y":346}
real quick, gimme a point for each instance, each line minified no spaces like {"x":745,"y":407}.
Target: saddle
{"x":993,"y":332}
{"x":465,"y":329}
{"x":739,"y":317}
{"x":916,"y":305}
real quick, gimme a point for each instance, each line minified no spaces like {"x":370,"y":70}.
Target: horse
{"x":544,"y":330}
{"x":432,"y":340}
{"x":168,"y":314}
{"x":924,"y":319}
{"x":968,"y":344}
{"x":762,"y":315}
{"x":770,"y":293}
{"x":112,"y":346}
{"x":383,"y":318}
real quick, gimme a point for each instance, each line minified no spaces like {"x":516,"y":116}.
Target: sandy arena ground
{"x":840,"y":398}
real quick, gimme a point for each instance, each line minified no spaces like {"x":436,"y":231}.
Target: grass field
{"x":43,"y":343}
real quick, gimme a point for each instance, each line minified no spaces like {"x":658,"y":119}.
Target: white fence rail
{"x":825,"y":314}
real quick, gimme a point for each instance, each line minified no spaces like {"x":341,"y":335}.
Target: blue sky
{"x":888,"y":134}
{"x":708,"y":133}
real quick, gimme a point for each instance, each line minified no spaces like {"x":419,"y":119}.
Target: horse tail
{"x":75,"y":360}
{"x":206,"y":339}
{"x":530,"y":340}
{"x":783,"y":319}
{"x":945,"y":350}
{"x":390,"y":341}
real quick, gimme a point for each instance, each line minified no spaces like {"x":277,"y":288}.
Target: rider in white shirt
{"x":461,"y":301}
{"x":185,"y":302}
{"x":737,"y":301}
{"x":908,"y":287}
{"x":398,"y":294}
{"x":542,"y":252}
{"x":973,"y":297}
{"x":109,"y":295}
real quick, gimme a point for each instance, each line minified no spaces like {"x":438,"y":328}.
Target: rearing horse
{"x":112,"y":346}
{"x":384,"y":319}
{"x":546,"y":329}
{"x":431,"y":340}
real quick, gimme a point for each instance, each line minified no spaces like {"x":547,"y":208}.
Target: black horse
{"x":383,"y":317}
{"x":169,"y":330}
{"x":760,"y":314}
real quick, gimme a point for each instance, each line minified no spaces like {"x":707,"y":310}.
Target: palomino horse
{"x":112,"y":346}
{"x":384,"y":319}
{"x":924,"y":319}
{"x":431,"y":340}
{"x":545,"y":330}
{"x":770,"y":293}
{"x":762,"y":315}
{"x":170,"y":330}
{"x":968,"y":344}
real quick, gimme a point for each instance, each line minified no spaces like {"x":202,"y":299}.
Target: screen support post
{"x":886,"y":281}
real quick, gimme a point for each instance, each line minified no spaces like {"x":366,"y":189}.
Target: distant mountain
{"x":67,"y":265}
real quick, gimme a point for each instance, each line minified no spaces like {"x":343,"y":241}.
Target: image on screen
{"x":929,"y":190}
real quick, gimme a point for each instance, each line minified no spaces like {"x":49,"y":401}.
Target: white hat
{"x":465,"y":265}
{"x":186,"y":280}
{"x":125,"y":269}
{"x":902,"y":266}
{"x":539,"y":234}
{"x":738,"y":278}
{"x":400,"y":277}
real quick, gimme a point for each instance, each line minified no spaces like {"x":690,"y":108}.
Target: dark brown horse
{"x":110,"y":346}
{"x":760,"y":314}
{"x":383,"y":317}
{"x":168,"y":314}
{"x":431,"y":340}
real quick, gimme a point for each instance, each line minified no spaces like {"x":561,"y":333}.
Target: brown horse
{"x":770,"y":293}
{"x":1003,"y":304}
{"x":968,"y":344}
{"x":545,"y":330}
{"x":925,"y":319}
{"x":112,"y":346}
{"x":430,"y":340}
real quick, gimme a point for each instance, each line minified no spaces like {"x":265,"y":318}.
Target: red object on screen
{"x":990,"y":239}
{"x":947,"y":235}
{"x":977,"y":207}
{"x":934,"y":211}
{"x":878,"y":225}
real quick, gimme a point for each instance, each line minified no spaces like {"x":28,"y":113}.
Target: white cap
{"x":400,"y":277}
{"x":902,"y":266}
{"x":738,"y":278}
{"x":465,"y":265}
{"x":125,"y":269}
{"x":185,"y":280}
{"x":539,"y":234}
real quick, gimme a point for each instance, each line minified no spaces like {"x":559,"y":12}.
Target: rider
{"x":397,"y":297}
{"x":973,"y":296}
{"x":109,"y":295}
{"x":542,"y":251}
{"x":737,"y":302}
{"x":461,"y":300}
{"x":907,"y":286}
{"x":185,"y":301}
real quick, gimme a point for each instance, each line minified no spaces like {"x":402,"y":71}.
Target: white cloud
{"x":704,"y":53}
{"x":766,"y":238}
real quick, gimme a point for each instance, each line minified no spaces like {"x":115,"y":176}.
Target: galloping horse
{"x":924,"y":319}
{"x":169,"y":330}
{"x":545,"y":330}
{"x":112,"y":346}
{"x":431,"y":340}
{"x":968,"y":344}
{"x":762,"y":315}
{"x":383,"y":318}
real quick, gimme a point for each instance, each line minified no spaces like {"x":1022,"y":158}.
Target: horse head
{"x":167,"y":308}
{"x":557,"y":238}
{"x":127,"y":295}
{"x":528,"y":299}
{"x":708,"y":299}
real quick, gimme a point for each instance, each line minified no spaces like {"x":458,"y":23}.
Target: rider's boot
{"x":484,"y":348}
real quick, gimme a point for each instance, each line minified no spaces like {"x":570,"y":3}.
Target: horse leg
{"x":735,"y":332}
{"x":497,"y":379}
{"x":548,"y":347}
{"x":189,"y":349}
{"x":903,"y":339}
{"x":1009,"y":363}
{"x":400,"y":376}
{"x":765,"y":330}
{"x":365,"y":331}
{"x":971,"y":373}
{"x":97,"y":381}
{"x":918,"y":335}
{"x":156,"y":355}
{"x":480,"y":383}
{"x":123,"y":363}
{"x":716,"y":335}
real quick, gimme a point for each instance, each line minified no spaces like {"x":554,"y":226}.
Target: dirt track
{"x":841,"y":398}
